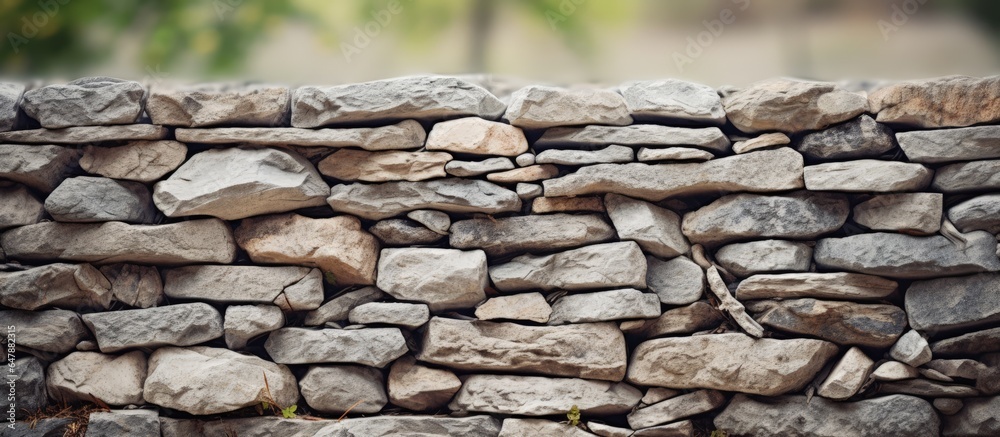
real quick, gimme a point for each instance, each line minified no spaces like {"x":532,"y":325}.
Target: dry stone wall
{"x":434,"y":256}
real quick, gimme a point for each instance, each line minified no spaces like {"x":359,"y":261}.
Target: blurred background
{"x":720,"y":42}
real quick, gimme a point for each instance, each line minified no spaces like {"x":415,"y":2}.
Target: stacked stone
{"x":787,"y":259}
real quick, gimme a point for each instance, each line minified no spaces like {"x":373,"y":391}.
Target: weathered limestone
{"x":948,"y":406}
{"x":291,"y":288}
{"x":910,"y":213}
{"x":846,"y":323}
{"x":688,"y":319}
{"x":977,"y":213}
{"x":540,"y":396}
{"x":533,"y":233}
{"x":91,"y":199}
{"x":39,"y":167}
{"x":138,"y":423}
{"x":476,"y":136}
{"x":847,"y":376}
{"x":651,"y":135}
{"x":406,"y":315}
{"x":673,"y":154}
{"x":602,"y":306}
{"x":89,"y":101}
{"x":179,"y":325}
{"x":591,"y":350}
{"x":659,"y":181}
{"x":867,"y":175}
{"x":336,"y":245}
{"x":606,"y":265}
{"x":657,"y":230}
{"x":18,"y":207}
{"x":677,"y":282}
{"x":403,"y":232}
{"x":940,"y":102}
{"x":858,"y":138}
{"x":213,"y":105}
{"x":972,"y":343}
{"x":676,"y":408}
{"x":968,"y":143}
{"x":56,"y":331}
{"x":764,"y":256}
{"x":911,"y":349}
{"x":337,"y":389}
{"x":361,"y":165}
{"x":966,"y":177}
{"x":476,"y":168}
{"x":419,"y":388}
{"x":142,"y":161}
{"x":87,"y":134}
{"x":442,"y":278}
{"x":735,"y":217}
{"x":133,"y":285}
{"x":949,"y":304}
{"x":730,"y":362}
{"x":339,"y":308}
{"x":957,"y":368}
{"x":521,"y":427}
{"x":10,"y":99}
{"x":536,"y":107}
{"x":525,"y":306}
{"x":928,"y":388}
{"x":405,"y":135}
{"x":546,"y":205}
{"x":530,"y":173}
{"x":761,"y":142}
{"x":977,"y":417}
{"x":60,"y":285}
{"x":894,"y":371}
{"x":904,"y":256}
{"x":612,"y":153}
{"x":375,"y":347}
{"x":673,"y":100}
{"x":380,"y":201}
{"x":380,"y":426}
{"x":244,"y":322}
{"x":436,"y":221}
{"x":788,"y":105}
{"x":114,"y":379}
{"x":845,"y":286}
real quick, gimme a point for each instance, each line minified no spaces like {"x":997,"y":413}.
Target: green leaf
{"x":573,"y":416}
{"x":289,"y":413}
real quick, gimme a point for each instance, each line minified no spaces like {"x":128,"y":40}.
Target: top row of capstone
{"x":783,"y":105}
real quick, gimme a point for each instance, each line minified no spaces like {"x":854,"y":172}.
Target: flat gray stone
{"x":867,"y":175}
{"x":476,"y":136}
{"x":847,"y":376}
{"x":844,"y":323}
{"x":789,"y":105}
{"x":212,"y":105}
{"x":840,"y":286}
{"x":337,"y":389}
{"x":683,"y":320}
{"x":658,"y":181}
{"x":676,"y":408}
{"x":85,"y":199}
{"x":541,"y":396}
{"x":375,"y":347}
{"x":137,"y":423}
{"x":950,"y":101}
{"x":87,"y":134}
{"x":764,"y":256}
{"x":362,"y":165}
{"x":377,"y":426}
{"x":417,"y":97}
{"x":797,"y":416}
{"x":142,"y":161}
{"x":532,"y":233}
{"x":291,"y":288}
{"x":908,"y":257}
{"x":972,"y":343}
{"x":244,"y":322}
{"x":187,"y":242}
{"x":858,"y":138}
{"x":339,"y":308}
{"x":521,"y":427}
{"x":476,"y":168}
{"x":28,"y":376}
{"x":89,"y":101}
{"x":524,"y":306}
{"x":381,"y":201}
{"x":977,"y":213}
{"x":114,"y":379}
{"x":647,"y":154}
{"x":603,"y":306}
{"x":178,"y":325}
{"x":657,"y":230}
{"x":436,"y":221}
{"x":612,"y":153}
{"x":605,"y":265}
{"x":928,"y":388}
{"x":667,"y":100}
{"x":406,"y":315}
{"x":55,"y":331}
{"x":417,"y":387}
{"x":403,"y":232}
{"x":588,"y":350}
{"x":977,"y":418}
{"x":967,"y":177}
{"x":944,"y":145}
{"x":10,"y":99}
{"x":442,"y":278}
{"x":199,"y":380}
{"x":407,"y":134}
{"x":910,"y":213}
{"x":729,"y":362}
{"x":677,"y":282}
{"x":72,"y":286}
{"x":537,"y":107}
{"x":18,"y":207}
{"x":957,"y":368}
{"x":134,"y":285}
{"x":735,"y":217}
{"x":952,"y":304}
{"x":38,"y":167}
{"x":651,"y":135}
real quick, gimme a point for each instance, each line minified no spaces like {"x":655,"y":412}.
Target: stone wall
{"x":436,"y":256}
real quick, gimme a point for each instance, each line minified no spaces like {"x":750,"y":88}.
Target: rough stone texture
{"x":679,"y":407}
{"x":606,"y":265}
{"x":845,"y":286}
{"x":18,"y":207}
{"x":10,"y":99}
{"x":187,"y":242}
{"x":538,"y":427}
{"x":546,"y":205}
{"x":818,"y":417}
{"x":764,"y":256}
{"x":683,"y":320}
{"x":894,"y":371}
{"x":476,"y":168}
{"x":204,"y":380}
{"x":476,"y":136}
{"x":536,"y":107}
{"x":213,"y":105}
{"x":55,"y":331}
{"x":442,"y":278}
{"x":291,"y":288}
{"x":677,"y":282}
{"x":612,"y":153}
{"x":911,"y":349}
{"x":534,"y":233}
{"x":967,"y":177}
{"x":846,"y":323}
{"x":737,"y":217}
{"x":950,"y":144}
{"x":525,"y":306}
{"x":957,"y":368}
{"x":654,"y":136}
{"x":673,"y":154}
{"x":950,"y":304}
{"x":403,"y":232}
{"x":977,"y":213}
{"x":867,"y":175}
{"x":788,"y":105}
{"x":339,"y":308}
{"x":592,"y":351}
{"x":847,"y":376}
{"x":136,"y":423}
{"x":927,"y":388}
{"x":658,"y":181}
{"x":540,"y":396}
{"x":761,"y":142}
{"x":28,"y":375}
{"x":38,"y":167}
{"x":948,"y":406}
{"x":382,"y":426}
{"x":238,"y":183}
{"x":904,"y":256}
{"x":133,"y":285}
{"x":380,"y":201}
{"x":436,"y":221}
{"x":406,"y":315}
{"x":972,"y":343}
{"x":87,"y":134}
{"x":114,"y":379}
{"x":179,"y":325}
{"x":407,"y":134}
{"x":375,"y":347}
{"x":977,"y":418}
{"x":910,"y":213}
{"x":335,"y":389}
{"x":657,"y":230}
{"x":602,"y":306}
{"x":418,"y":97}
{"x":858,"y":138}
{"x":142,"y":161}
{"x":52,"y":427}
{"x":89,"y":101}
{"x":524,"y":174}
{"x":670,"y":100}
{"x":93,"y":199}
{"x":60,"y":285}
{"x":940,"y":102}
{"x":419,"y":388}
{"x":336,"y":245}
{"x":244,"y":322}
{"x":361,"y":165}
{"x":730,"y":362}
